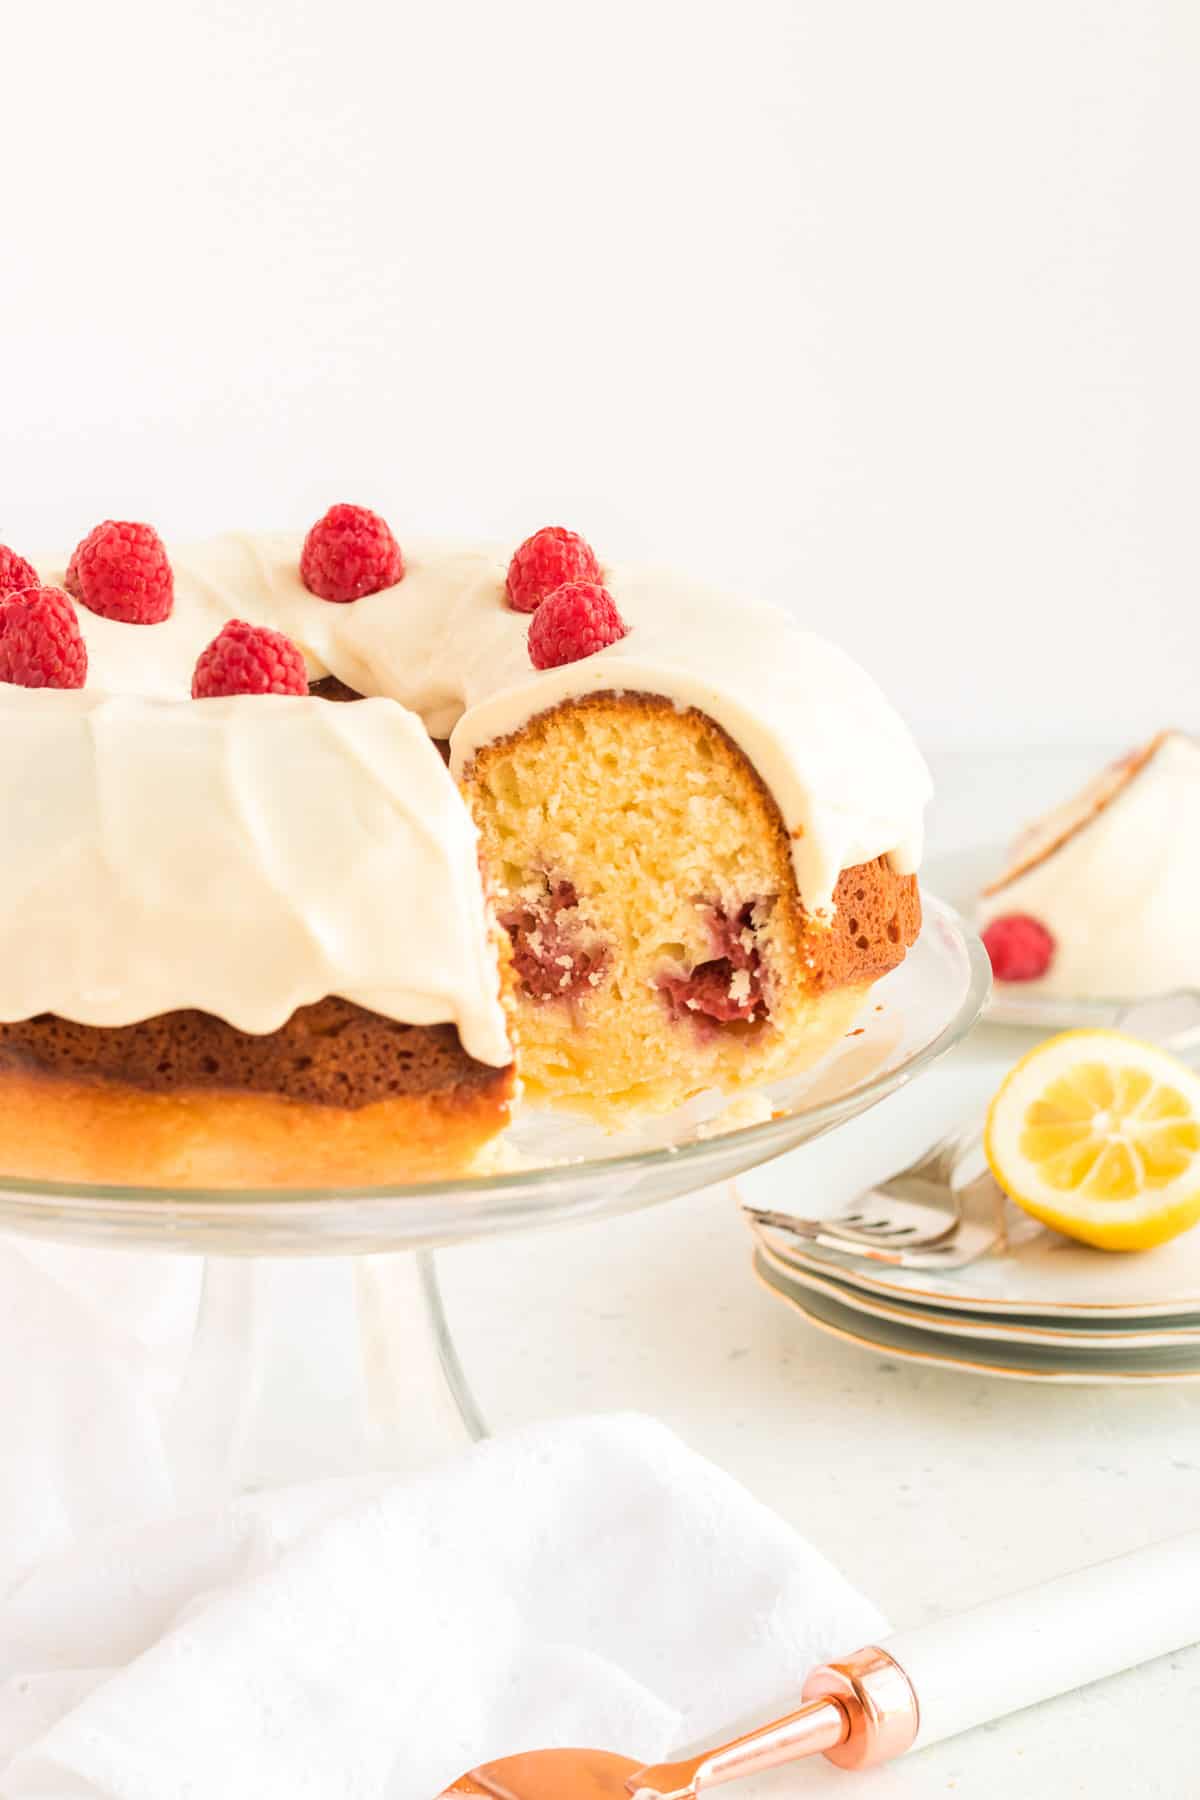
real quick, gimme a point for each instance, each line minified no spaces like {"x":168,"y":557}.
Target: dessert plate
{"x":1067,"y":1365}
{"x":1037,"y":1275}
{"x":1170,"y":1019}
{"x":1121,"y":1333}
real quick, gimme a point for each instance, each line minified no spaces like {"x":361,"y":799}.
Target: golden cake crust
{"x":877,"y":918}
{"x":336,"y":1094}
{"x":330,"y":1054}
{"x":60,"y":1128}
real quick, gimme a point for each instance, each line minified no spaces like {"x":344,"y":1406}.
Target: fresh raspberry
{"x":1020,"y":947}
{"x":545,"y":561}
{"x":574,"y":622}
{"x":40,"y":641}
{"x":349,"y":553}
{"x":15,"y":572}
{"x":249,"y":659}
{"x":120,"y":571}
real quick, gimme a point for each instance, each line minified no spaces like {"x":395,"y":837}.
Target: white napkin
{"x":590,"y":1581}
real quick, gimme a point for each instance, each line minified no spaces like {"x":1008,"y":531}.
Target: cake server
{"x":915,"y":1688}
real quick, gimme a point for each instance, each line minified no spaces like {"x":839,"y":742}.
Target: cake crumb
{"x":747,"y":1109}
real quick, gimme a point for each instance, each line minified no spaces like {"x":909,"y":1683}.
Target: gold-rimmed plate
{"x":1106,"y":1334}
{"x":1062,"y":1365}
{"x":1034,"y":1273}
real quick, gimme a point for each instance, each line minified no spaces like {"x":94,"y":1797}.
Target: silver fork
{"x":915,"y":1209}
{"x":983,"y":1225}
{"x":918,"y":1216}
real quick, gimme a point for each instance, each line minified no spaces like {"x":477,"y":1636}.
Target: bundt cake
{"x":1099,"y":898}
{"x":253,"y":937}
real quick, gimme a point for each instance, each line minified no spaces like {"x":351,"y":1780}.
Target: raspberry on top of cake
{"x":446,"y":641}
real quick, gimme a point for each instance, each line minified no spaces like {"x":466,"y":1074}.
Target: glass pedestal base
{"x":303,"y":1368}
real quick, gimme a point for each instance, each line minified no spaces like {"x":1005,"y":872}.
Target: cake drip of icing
{"x":849,"y":783}
{"x":244,"y":856}
{"x":1113,"y":876}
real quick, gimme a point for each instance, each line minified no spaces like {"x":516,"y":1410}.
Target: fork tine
{"x":870,"y":1223}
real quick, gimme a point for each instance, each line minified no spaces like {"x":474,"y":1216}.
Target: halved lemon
{"x":1098,"y":1135}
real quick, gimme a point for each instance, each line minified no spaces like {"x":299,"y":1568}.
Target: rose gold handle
{"x":819,"y":1726}
{"x":859,"y":1711}
{"x":880,"y":1703}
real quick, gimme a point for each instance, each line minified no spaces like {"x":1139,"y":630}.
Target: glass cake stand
{"x":318,"y":1343}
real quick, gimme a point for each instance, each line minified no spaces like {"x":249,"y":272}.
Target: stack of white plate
{"x":1037,"y":1308}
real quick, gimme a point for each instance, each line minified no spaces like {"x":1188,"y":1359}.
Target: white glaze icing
{"x":248,"y":856}
{"x":847,"y":778}
{"x":1119,"y":893}
{"x":243,"y":856}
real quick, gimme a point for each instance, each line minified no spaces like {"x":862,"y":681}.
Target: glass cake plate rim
{"x":223,"y":1220}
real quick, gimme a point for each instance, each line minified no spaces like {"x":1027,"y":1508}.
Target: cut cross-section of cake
{"x":1099,"y":899}
{"x":660,"y":945}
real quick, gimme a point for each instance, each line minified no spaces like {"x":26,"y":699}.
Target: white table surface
{"x":933,"y":1490}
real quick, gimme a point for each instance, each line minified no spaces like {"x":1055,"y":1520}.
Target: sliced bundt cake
{"x":251,"y":938}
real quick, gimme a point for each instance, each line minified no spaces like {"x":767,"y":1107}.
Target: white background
{"x":886,"y":310}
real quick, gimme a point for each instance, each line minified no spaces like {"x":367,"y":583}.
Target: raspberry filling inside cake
{"x":728,"y":988}
{"x":556,"y":954}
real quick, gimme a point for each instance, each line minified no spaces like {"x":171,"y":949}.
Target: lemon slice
{"x":1098,"y":1134}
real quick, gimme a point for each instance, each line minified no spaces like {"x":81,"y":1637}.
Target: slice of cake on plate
{"x":1100,"y":898}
